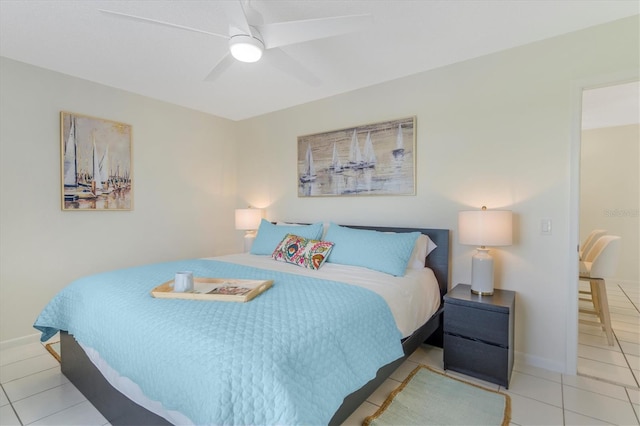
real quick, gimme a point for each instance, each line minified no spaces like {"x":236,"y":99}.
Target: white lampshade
{"x":248,"y":219}
{"x":246,"y":48}
{"x":483,"y":228}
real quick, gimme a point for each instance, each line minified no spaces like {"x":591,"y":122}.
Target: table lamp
{"x":483,"y":228}
{"x":248,"y":220}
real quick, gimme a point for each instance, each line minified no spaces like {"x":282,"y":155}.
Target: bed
{"x":102,"y":383}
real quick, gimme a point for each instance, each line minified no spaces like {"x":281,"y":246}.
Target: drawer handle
{"x":479,"y":340}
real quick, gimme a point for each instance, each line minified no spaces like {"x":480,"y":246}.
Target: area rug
{"x":428,"y":397}
{"x":54,"y":349}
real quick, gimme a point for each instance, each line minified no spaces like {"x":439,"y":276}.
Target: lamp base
{"x":482,"y":293}
{"x":249,"y":236}
{"x":482,"y":273}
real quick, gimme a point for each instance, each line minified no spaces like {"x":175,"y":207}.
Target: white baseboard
{"x":535,"y":361}
{"x":19,"y":341}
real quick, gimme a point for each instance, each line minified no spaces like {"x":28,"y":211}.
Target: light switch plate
{"x":545,"y":227}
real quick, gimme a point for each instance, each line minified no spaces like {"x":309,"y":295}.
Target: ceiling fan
{"x":249,"y":38}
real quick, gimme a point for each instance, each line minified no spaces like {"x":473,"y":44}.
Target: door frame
{"x":573,"y":242}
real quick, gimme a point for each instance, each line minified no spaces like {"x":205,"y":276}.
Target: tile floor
{"x":620,"y":363}
{"x":34,"y":392}
{"x":538,"y":397}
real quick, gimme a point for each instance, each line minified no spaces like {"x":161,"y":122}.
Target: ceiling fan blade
{"x":253,"y":16}
{"x":157,"y":22}
{"x":292,"y":32}
{"x":287,"y":64}
{"x":237,"y":16}
{"x":220,"y":67}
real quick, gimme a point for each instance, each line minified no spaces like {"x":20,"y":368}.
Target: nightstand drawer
{"x":488,"y":326}
{"x":477,"y":359}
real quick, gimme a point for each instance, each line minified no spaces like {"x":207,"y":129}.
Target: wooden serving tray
{"x":221,"y":289}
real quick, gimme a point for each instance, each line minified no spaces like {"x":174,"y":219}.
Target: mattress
{"x":413,"y":298}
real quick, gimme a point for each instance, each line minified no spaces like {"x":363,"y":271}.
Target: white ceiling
{"x":170,"y":64}
{"x":616,"y":105}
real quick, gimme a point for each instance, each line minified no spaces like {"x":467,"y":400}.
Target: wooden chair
{"x":583,"y":251}
{"x":600,"y":262}
{"x":590,"y":241}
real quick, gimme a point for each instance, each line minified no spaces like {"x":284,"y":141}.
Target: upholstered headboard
{"x":437,"y":260}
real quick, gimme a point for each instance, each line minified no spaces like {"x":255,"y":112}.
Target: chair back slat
{"x":590,"y":241}
{"x":604,"y":256}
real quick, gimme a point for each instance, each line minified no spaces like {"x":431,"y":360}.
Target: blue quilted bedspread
{"x":289,"y":356}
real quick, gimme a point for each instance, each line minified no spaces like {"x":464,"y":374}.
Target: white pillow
{"x":421,"y":250}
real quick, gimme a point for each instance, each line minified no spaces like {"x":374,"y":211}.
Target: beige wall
{"x":184,"y":189}
{"x":610,"y":190}
{"x":494,"y":131}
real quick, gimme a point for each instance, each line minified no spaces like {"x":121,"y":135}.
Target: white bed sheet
{"x":413,"y":299}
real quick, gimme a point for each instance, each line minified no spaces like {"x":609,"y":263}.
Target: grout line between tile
{"x":584,"y":415}
{"x":53,"y":414}
{"x":44,"y":390}
{"x":619,"y":289}
{"x":10,"y":404}
{"x":631,"y":402}
{"x":30,"y":374}
{"x":629,"y":298}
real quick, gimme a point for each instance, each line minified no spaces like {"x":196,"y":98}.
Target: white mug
{"x":183,"y":282}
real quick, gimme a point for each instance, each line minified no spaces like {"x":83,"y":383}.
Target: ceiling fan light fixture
{"x":246,"y":48}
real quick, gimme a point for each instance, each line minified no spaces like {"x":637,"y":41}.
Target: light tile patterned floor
{"x":620,"y":363}
{"x":538,"y":397}
{"x":35,"y":392}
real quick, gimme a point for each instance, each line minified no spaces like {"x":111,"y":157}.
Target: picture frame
{"x":371,"y":159}
{"x":95,"y":163}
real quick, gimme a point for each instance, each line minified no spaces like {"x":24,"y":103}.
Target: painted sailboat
{"x":91,"y":183}
{"x":336,"y":165}
{"x":119,"y":182}
{"x":309,"y":172}
{"x":71,"y":164}
{"x":107,"y":186}
{"x":369,"y":156}
{"x":355,"y":156}
{"x":399,"y":151}
{"x":96,"y":179}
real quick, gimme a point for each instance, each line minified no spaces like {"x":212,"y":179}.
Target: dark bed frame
{"x":120,"y":410}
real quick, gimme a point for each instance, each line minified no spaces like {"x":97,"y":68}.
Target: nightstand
{"x":478,"y":334}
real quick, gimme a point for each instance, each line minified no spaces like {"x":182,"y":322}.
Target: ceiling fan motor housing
{"x":246,"y":48}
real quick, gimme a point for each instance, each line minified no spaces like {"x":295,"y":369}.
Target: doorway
{"x":609,"y":187}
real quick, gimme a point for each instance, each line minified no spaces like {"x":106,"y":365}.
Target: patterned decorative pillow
{"x":302,"y":251}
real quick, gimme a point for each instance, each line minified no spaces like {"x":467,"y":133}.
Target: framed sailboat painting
{"x":373,"y":159}
{"x":95,"y":163}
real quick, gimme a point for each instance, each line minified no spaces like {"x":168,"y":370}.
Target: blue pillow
{"x":380,"y":251}
{"x":270,"y":235}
